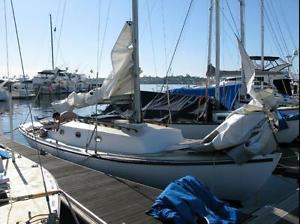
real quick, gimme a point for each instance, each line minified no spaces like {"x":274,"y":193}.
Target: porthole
{"x":98,"y":139}
{"x":61,"y":131}
{"x":78,"y":134}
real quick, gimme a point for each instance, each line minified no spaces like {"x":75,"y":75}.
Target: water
{"x":41,"y":107}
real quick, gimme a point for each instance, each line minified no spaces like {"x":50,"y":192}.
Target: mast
{"x":136,"y":68}
{"x":262,"y":35}
{"x":217,"y":74}
{"x":242,"y":30}
{"x":209,"y":40}
{"x":52,"y":55}
{"x":6,"y":39}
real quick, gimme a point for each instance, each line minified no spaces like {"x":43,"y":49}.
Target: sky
{"x":77,"y":40}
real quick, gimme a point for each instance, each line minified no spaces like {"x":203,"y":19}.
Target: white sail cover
{"x":247,"y":131}
{"x":119,"y":82}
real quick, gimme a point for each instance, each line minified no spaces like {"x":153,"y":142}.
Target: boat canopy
{"x":228,"y":93}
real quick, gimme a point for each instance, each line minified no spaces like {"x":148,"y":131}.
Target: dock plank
{"x":114,"y":200}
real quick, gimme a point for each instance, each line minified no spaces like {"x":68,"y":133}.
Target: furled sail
{"x":119,"y":82}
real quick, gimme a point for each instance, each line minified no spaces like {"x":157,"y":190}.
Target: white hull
{"x":16,"y":94}
{"x":290,"y":134}
{"x":225,"y":178}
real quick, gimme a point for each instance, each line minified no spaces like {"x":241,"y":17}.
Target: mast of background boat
{"x":209,"y":44}
{"x":51,"y":33}
{"x":217,"y":73}
{"x":10,"y":87}
{"x":262,"y":34}
{"x":242,"y":30}
{"x":136,"y":68}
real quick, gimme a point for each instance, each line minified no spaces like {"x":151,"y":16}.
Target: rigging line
{"x":58,"y":11}
{"x":144,"y":25}
{"x":6,"y":39}
{"x":97,"y":76}
{"x":164,"y":33}
{"x":174,"y":52}
{"x":275,"y":38}
{"x":169,"y":69}
{"x":151,"y":37}
{"x":34,"y":100}
{"x":29,"y":107}
{"x":60,"y":29}
{"x":231,"y":15}
{"x":236,"y":32}
{"x":104,"y":35}
{"x":287,"y":26}
{"x":177,"y":43}
{"x":279,"y":27}
{"x":98,"y":38}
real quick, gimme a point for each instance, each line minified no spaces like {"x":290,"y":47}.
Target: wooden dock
{"x":96,"y":197}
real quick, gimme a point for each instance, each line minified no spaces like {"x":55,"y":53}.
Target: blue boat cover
{"x":228,"y":93}
{"x":283,"y":117}
{"x":4,"y":154}
{"x":187,"y":200}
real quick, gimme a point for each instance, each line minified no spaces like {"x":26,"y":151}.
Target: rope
{"x":60,"y":29}
{"x":275,"y":38}
{"x":164,"y":33}
{"x":287,"y":26}
{"x":97,"y":74}
{"x":174,"y":52}
{"x":178,"y":40}
{"x":104,"y":35}
{"x":230,"y":26}
{"x":279,"y":27}
{"x":34,"y":100}
{"x":231,"y":15}
{"x":99,"y":59}
{"x":151,"y":38}
{"x":29,"y":107}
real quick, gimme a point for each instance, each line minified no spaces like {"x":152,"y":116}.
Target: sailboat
{"x":274,"y":74}
{"x":234,"y":164}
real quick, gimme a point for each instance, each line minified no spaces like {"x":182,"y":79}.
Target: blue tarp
{"x":283,"y":117}
{"x":5,"y":154}
{"x":228,"y":93}
{"x":293,"y":115}
{"x":187,"y":200}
